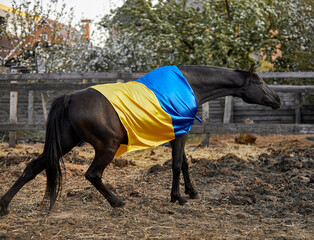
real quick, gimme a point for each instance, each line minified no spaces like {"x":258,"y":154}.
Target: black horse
{"x":88,"y":116}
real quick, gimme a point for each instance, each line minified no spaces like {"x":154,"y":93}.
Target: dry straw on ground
{"x":261,"y":191}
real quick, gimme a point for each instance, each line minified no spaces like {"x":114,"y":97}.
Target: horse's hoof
{"x":4,"y":211}
{"x":3,"y":236}
{"x":194,"y":195}
{"x":118,"y":204}
{"x":181,"y":200}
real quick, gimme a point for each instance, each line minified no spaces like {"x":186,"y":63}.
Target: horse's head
{"x":256,"y":91}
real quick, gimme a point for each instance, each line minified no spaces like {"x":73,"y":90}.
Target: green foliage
{"x":230,"y":33}
{"x":144,"y":34}
{"x":295,"y":35}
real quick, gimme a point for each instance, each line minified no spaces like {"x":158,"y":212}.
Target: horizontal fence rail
{"x":206,"y":128}
{"x":286,"y":74}
{"x":71,"y":76}
{"x":253,"y":128}
{"x":43,"y":86}
{"x":78,"y":86}
{"x":126,"y":75}
{"x":107,"y":76}
{"x":76,"y":81}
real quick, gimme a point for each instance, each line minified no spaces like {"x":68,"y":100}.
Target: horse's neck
{"x":212,"y":82}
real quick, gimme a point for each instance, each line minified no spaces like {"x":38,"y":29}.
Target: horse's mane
{"x":207,"y":67}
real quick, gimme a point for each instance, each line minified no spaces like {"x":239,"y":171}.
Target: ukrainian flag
{"x":155,"y":109}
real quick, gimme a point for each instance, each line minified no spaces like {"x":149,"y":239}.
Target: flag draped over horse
{"x":155,"y":109}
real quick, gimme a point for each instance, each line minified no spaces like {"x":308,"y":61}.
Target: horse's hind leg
{"x":96,"y":121}
{"x":32,"y":169}
{"x":102,"y":158}
{"x":36,"y":166}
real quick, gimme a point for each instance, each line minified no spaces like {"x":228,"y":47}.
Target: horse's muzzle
{"x":274,"y":102}
{"x":272,"y":99}
{"x":276,"y":107}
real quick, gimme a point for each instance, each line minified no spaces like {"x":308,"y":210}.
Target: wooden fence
{"x":14,"y":83}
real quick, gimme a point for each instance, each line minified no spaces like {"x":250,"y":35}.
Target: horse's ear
{"x":251,"y":71}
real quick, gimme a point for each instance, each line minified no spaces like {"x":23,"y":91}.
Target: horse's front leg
{"x":189,"y":189}
{"x":177,"y":159}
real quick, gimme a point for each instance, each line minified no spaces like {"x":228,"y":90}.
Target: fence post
{"x":228,"y":111}
{"x":13,"y":116}
{"x":297,"y":108}
{"x":30,"y":109}
{"x":205,"y":119}
{"x":44,"y":105}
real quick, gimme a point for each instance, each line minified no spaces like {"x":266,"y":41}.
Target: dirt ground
{"x":261,"y":191}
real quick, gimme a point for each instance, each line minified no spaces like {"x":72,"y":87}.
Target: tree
{"x":295,"y":35}
{"x":230,"y":33}
{"x":42,"y":43}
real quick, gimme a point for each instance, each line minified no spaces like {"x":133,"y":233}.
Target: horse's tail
{"x":53,"y":149}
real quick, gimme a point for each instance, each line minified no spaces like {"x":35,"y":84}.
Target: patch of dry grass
{"x":82,"y":213}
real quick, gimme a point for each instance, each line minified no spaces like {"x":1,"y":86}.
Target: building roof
{"x":12,"y":10}
{"x":43,"y":25}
